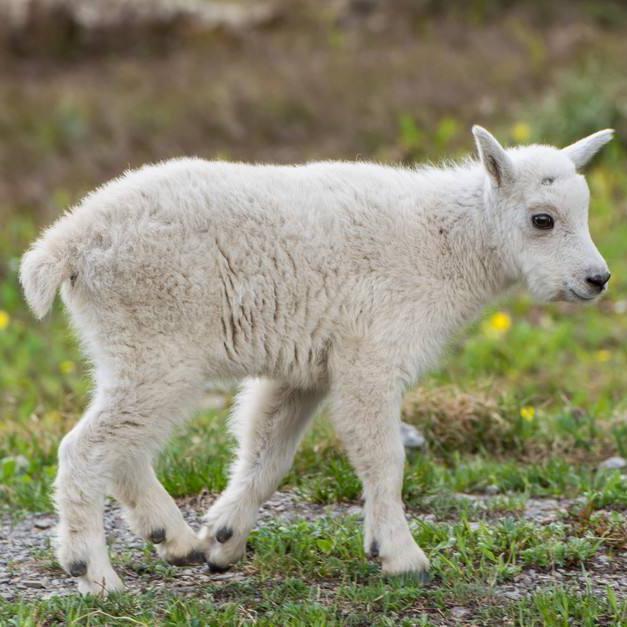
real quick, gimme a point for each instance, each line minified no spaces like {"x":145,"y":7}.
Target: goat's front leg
{"x":269,"y":420}
{"x":366,"y":414}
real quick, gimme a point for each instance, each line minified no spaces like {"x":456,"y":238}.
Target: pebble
{"x":492,"y":489}
{"x":412,"y":438}
{"x":459,"y":612}
{"x":225,"y":576}
{"x":44,"y":523}
{"x":613,"y":463}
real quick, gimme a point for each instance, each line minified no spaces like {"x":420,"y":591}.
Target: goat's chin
{"x":543,"y":294}
{"x":583,"y":298}
{"x":561,"y":297}
{"x":566,"y":295}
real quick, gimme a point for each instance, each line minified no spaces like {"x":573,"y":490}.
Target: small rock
{"x":620,"y":306}
{"x":459,"y":612}
{"x":34,"y":583}
{"x":492,"y":490}
{"x":613,"y":463}
{"x":20,"y":461}
{"x":44,"y":523}
{"x":225,"y":576}
{"x":412,"y":438}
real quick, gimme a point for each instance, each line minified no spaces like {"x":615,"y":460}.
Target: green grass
{"x":296,"y":602}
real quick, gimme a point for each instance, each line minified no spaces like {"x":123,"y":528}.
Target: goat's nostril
{"x":598,"y":280}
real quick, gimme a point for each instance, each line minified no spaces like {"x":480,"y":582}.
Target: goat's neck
{"x":472,"y":252}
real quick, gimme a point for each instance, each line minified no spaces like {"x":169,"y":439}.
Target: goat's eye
{"x":542,"y":221}
{"x":549,"y":180}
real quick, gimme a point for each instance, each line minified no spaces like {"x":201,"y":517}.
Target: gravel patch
{"x":28,"y":572}
{"x":601,"y":572}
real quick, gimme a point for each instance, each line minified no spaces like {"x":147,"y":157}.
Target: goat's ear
{"x":582,"y":151}
{"x":494,"y":158}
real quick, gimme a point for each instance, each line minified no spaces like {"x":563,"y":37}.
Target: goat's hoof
{"x":157,"y":536}
{"x":224,"y":534}
{"x":216,"y":568}
{"x":374,"y":549}
{"x":78,"y":569}
{"x":193,"y":557}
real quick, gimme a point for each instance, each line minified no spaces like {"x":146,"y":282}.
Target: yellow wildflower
{"x":603,"y":355}
{"x":498,"y":323}
{"x":67,"y":367}
{"x":528,"y":413}
{"x":4,"y":320}
{"x":521,"y":132}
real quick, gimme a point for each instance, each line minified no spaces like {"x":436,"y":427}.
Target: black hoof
{"x":157,"y":536}
{"x":216,"y":568}
{"x":224,"y":534}
{"x":193,"y":557}
{"x":78,"y":569}
{"x":374,"y":549}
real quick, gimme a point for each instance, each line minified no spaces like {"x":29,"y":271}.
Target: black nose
{"x":598,"y":280}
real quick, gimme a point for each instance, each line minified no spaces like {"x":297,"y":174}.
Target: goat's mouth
{"x":579,"y":296}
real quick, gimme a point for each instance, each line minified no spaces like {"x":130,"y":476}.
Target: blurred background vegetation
{"x":89,"y":89}
{"x":529,"y":403}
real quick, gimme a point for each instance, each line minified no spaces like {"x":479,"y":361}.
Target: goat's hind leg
{"x":153,"y":514}
{"x":109,"y":451}
{"x":86,"y":457}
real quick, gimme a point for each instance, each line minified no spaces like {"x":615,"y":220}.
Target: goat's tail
{"x":44,"y":267}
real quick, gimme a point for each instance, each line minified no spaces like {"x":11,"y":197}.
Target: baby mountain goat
{"x":338,"y":281}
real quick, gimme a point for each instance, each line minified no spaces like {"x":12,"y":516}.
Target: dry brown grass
{"x":482,"y":421}
{"x":453,"y":420}
{"x":611,"y":529}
